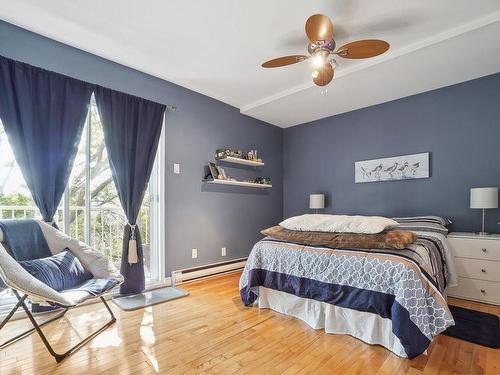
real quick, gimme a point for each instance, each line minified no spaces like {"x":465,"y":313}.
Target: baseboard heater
{"x":190,"y":274}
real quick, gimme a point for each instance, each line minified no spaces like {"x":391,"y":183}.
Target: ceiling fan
{"x":319,"y":31}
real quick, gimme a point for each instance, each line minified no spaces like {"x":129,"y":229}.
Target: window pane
{"x":77,"y":182}
{"x":107,"y":218}
{"x":15,"y":198}
{"x":144,"y":224}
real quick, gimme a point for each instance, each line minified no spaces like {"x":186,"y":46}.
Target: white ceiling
{"x":216,"y":47}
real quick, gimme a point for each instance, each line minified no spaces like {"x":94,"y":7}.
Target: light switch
{"x":177,"y":168}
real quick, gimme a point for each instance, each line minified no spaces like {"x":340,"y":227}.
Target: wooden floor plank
{"x":211,"y":332}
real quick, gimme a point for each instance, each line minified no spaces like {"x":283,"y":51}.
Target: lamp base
{"x":481,"y":234}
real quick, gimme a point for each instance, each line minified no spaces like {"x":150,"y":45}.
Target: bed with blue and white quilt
{"x":390,"y":297}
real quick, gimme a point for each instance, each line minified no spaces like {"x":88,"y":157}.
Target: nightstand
{"x":478,"y":265}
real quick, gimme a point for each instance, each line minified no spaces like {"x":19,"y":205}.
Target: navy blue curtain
{"x":43,"y":114}
{"x":132,"y":128}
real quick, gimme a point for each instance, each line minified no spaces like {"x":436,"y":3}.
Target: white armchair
{"x":24,"y":285}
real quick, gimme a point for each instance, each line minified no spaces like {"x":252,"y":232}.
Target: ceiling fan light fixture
{"x":318,"y":61}
{"x":320,"y":58}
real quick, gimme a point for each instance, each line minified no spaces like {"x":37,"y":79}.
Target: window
{"x":90,"y":209}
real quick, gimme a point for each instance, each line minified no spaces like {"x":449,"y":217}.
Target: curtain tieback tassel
{"x":132,"y":246}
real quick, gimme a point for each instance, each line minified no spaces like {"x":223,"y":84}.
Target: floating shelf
{"x":231,"y":159}
{"x":238,"y":183}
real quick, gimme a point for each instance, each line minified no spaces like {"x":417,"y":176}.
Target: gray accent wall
{"x":198,"y":216}
{"x":459,"y":125}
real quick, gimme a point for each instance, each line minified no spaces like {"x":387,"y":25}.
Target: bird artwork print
{"x":405,"y":167}
{"x":366,"y":174}
{"x":414,"y":168}
{"x":377,"y":170}
{"x":391,"y":169}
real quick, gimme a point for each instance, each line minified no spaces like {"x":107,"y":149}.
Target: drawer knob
{"x":483,"y":291}
{"x":483,"y":270}
{"x":484,"y":250}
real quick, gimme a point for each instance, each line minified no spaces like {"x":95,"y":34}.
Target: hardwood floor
{"x":212,"y":332}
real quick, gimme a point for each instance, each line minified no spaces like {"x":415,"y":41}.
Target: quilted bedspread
{"x":405,"y":286}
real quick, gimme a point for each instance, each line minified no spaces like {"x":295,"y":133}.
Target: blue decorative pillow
{"x":61,"y":271}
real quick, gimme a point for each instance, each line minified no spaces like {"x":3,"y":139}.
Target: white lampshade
{"x":316,"y":201}
{"x":484,"y":197}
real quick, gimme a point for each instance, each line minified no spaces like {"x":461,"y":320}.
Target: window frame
{"x":158,"y":211}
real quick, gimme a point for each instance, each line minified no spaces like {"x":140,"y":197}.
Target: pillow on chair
{"x":61,"y":271}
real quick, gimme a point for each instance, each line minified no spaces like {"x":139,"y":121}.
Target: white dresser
{"x":478,"y":266}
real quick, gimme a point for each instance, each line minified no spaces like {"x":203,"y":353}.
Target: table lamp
{"x":316,"y":202}
{"x":484,"y":198}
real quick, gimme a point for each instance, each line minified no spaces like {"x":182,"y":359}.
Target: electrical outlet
{"x":177,"y":168}
{"x":194,"y":253}
{"x":223,"y":251}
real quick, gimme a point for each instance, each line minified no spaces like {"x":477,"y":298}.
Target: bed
{"x":393,"y":298}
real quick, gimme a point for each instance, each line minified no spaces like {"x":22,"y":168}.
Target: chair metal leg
{"x":12,"y":312}
{"x":29,"y":331}
{"x":37,"y":327}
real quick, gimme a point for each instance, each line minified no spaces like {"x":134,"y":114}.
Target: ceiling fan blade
{"x":362,"y":49}
{"x":283,"y":61}
{"x":319,"y":29}
{"x":324,"y":75}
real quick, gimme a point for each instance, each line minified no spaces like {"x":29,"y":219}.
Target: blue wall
{"x":197,"y":216}
{"x":459,"y":125}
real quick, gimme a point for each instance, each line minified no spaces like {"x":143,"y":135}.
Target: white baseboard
{"x":201,"y":272}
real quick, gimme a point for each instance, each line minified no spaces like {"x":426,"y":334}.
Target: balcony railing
{"x":106,"y":226}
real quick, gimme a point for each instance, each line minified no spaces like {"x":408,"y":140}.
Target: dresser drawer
{"x":479,"y":290}
{"x":475,"y":248}
{"x":478,"y":269}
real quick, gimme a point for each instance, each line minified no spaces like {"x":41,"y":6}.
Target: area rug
{"x":153,"y":297}
{"x":475,"y":326}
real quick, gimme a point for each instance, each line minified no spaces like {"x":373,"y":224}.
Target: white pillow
{"x":339,"y":223}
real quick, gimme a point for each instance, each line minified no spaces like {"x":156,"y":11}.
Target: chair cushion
{"x":61,"y":271}
{"x":90,"y":289}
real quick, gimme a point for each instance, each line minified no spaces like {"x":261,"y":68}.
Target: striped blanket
{"x":405,"y":286}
